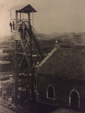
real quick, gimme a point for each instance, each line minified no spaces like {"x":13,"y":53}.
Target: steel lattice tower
{"x":26,"y":51}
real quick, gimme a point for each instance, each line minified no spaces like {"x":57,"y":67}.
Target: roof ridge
{"x":47,"y":57}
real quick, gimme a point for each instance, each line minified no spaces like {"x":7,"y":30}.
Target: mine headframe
{"x":27,"y":53}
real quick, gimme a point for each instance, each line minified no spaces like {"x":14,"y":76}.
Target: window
{"x":51,"y":92}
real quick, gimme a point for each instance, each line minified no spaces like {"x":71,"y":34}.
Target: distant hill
{"x":75,"y":38}
{"x":47,"y":41}
{"x":49,"y":36}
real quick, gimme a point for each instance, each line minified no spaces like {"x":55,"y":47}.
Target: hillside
{"x":65,"y":38}
{"x":47,"y":41}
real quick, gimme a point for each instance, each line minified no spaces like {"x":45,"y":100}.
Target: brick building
{"x":61,"y":78}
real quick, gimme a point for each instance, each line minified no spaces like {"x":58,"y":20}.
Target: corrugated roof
{"x":65,"y":63}
{"x":23,"y":8}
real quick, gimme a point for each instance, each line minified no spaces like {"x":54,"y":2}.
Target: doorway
{"x":74,"y":100}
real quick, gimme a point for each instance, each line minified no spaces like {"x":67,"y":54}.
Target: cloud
{"x":1,"y":7}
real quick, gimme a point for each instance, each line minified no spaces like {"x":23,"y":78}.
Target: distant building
{"x":61,"y":78}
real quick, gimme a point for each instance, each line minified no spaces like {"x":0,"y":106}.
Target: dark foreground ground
{"x":31,"y":107}
{"x":34,"y":107}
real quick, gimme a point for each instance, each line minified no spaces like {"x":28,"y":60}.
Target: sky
{"x":52,"y":15}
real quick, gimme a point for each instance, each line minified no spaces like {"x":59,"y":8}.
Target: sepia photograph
{"x":42,"y":56}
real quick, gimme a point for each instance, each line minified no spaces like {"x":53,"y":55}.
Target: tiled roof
{"x":65,"y":62}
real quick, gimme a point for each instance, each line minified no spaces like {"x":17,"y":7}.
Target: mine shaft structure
{"x":26,"y":52}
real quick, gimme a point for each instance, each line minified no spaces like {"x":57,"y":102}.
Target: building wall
{"x":63,"y":89}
